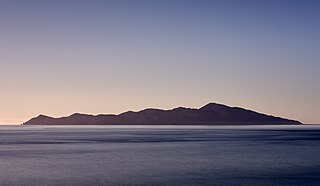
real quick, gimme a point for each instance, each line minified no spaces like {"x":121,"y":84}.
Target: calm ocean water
{"x":160,"y":155}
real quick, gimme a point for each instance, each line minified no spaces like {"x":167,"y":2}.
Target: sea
{"x":160,"y":155}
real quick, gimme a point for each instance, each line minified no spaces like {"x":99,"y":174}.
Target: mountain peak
{"x":77,"y":114}
{"x":180,"y":108}
{"x":43,"y":116}
{"x":214,"y":107}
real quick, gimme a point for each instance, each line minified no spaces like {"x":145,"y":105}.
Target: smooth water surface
{"x":160,"y":155}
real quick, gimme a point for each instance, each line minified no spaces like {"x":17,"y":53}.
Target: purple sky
{"x":60,"y":57}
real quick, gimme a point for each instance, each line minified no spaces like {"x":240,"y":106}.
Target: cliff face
{"x":210,"y":114}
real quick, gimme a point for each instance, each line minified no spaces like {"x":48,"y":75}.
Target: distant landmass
{"x":210,"y":114}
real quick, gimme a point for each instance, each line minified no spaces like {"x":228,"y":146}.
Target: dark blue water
{"x":160,"y":155}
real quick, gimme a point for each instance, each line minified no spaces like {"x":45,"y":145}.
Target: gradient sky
{"x":60,"y":57}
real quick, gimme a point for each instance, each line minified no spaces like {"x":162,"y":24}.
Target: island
{"x":210,"y":114}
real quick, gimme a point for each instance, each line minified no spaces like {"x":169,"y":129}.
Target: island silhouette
{"x":210,"y":114}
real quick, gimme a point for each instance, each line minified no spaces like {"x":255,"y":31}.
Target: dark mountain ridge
{"x":210,"y":114}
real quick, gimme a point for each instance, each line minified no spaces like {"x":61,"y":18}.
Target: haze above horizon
{"x":95,"y":57}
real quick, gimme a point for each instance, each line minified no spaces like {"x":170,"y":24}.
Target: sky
{"x":59,"y":57}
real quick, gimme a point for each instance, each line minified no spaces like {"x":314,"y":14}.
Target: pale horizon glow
{"x":106,"y":57}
